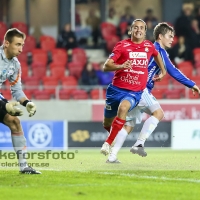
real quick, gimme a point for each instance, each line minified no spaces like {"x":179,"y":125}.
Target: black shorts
{"x":2,"y":115}
{"x":3,"y":112}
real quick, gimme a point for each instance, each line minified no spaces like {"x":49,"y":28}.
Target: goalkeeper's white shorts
{"x":147,"y":104}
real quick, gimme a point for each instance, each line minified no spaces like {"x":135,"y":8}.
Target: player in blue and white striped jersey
{"x":163,"y":34}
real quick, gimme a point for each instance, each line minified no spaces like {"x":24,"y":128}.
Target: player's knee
{"x":12,"y":122}
{"x":159,"y":114}
{"x":123,"y":108}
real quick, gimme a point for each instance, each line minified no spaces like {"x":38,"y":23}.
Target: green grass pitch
{"x":163,"y":174}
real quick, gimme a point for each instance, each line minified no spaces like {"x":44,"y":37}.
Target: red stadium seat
{"x":3,"y":29}
{"x":79,"y":55}
{"x":98,"y":94}
{"x":42,"y":95}
{"x":158,"y":93}
{"x":47,"y":43}
{"x":177,"y":85}
{"x":196,"y":79}
{"x":24,"y":72}
{"x":22,"y":57}
{"x":191,"y":96}
{"x":50,"y":84}
{"x":111,"y":42}
{"x":123,"y":28}
{"x":69,"y":83}
{"x":196,"y":53}
{"x":39,"y":72}
{"x":79,"y":94}
{"x":173,"y":94}
{"x":75,"y":69}
{"x":65,"y":94}
{"x":58,"y":72}
{"x":21,"y":26}
{"x":31,"y":83}
{"x":186,"y":68}
{"x":55,"y":65}
{"x":28,"y":93}
{"x":164,"y":83}
{"x":59,"y":57}
{"x":39,"y":58}
{"x":107,"y":29}
{"x":30,"y":44}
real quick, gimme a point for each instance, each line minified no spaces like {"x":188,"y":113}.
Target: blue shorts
{"x":115,"y":95}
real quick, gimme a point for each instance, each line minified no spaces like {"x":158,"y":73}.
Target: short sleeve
{"x":116,"y":52}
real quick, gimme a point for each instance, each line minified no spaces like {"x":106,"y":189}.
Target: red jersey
{"x":134,"y":79}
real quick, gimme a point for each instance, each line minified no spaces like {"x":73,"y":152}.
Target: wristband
{"x":25,"y":102}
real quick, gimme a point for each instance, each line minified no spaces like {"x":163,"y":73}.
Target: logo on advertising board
{"x":80,"y":136}
{"x":5,"y":137}
{"x":92,"y":134}
{"x":40,"y":135}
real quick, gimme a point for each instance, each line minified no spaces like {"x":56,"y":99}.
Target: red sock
{"x":107,"y":128}
{"x":117,"y":125}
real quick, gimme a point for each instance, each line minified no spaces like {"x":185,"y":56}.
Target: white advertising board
{"x":185,"y":134}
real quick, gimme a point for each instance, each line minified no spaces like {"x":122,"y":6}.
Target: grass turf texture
{"x":163,"y":174}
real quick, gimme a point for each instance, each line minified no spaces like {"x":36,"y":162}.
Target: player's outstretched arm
{"x":111,"y":66}
{"x":159,"y":61}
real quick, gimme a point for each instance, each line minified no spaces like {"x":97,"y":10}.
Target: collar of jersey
{"x":4,"y":55}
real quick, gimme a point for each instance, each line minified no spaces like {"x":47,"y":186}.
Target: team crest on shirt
{"x":146,"y":49}
{"x":10,"y":71}
{"x":3,"y":72}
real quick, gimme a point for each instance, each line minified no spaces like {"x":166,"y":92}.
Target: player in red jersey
{"x":129,"y":59}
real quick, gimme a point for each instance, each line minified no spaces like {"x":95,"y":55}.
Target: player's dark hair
{"x":162,"y":28}
{"x":13,"y":32}
{"x":136,"y":20}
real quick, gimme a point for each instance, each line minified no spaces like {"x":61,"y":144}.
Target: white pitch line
{"x":153,"y":177}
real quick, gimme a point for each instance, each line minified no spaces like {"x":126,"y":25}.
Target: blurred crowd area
{"x":61,"y":68}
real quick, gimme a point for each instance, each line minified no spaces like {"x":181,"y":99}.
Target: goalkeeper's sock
{"x":119,"y":141}
{"x":148,"y":128}
{"x":19,"y":144}
{"x":115,"y":128}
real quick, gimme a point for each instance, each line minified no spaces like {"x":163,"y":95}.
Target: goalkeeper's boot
{"x":105,"y":149}
{"x":29,"y":170}
{"x":138,"y":150}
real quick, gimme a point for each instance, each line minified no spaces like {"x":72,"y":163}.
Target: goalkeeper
{"x":10,"y":70}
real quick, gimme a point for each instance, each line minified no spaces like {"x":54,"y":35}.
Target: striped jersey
{"x":153,"y":69}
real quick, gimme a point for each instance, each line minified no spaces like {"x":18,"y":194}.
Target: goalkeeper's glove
{"x":30,"y":107}
{"x":12,"y":110}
